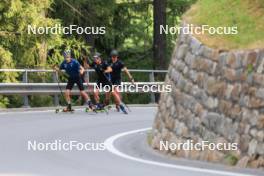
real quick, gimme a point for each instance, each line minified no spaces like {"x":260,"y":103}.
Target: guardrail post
{"x":55,"y":97}
{"x":25,"y":80}
{"x":152,"y":95}
{"x":87,"y":76}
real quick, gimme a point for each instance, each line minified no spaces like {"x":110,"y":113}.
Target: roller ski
{"x":108,"y":107}
{"x":67,"y":109}
{"x":101,"y":108}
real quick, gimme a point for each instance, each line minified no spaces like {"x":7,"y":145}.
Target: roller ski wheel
{"x":87,"y":110}
{"x":108,"y":107}
{"x":100,"y":110}
{"x":90,"y":110}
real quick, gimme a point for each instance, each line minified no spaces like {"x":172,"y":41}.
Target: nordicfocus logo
{"x":134,"y":88}
{"x":200,"y":146}
{"x":72,"y":29}
{"x":198,"y":30}
{"x":58,"y":145}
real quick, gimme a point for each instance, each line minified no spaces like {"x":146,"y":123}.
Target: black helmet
{"x":114,"y":53}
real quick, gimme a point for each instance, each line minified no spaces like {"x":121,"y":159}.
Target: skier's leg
{"x":86,"y":97}
{"x":100,"y":106}
{"x":107,"y":98}
{"x":119,"y":103}
{"x":67,"y":96}
{"x":116,"y":102}
{"x":96,"y":96}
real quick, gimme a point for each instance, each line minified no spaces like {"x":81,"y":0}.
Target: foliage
{"x":39,"y":101}
{"x":15,"y":16}
{"x":129,"y":28}
{"x":247,"y":15}
{"x":78,"y":49}
{"x":230,"y":159}
{"x":6,"y":62}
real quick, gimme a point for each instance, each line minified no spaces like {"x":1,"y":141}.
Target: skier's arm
{"x":128,"y":74}
{"x":59,"y":70}
{"x":56,"y":68}
{"x":86,"y":64}
{"x":81,"y":70}
{"x":108,"y":69}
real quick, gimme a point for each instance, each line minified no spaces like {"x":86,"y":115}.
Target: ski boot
{"x":99,"y":107}
{"x":123,"y":109}
{"x":117,"y":108}
{"x":68,"y":109}
{"x":90,"y":107}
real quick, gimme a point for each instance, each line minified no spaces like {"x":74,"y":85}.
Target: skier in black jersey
{"x":103,"y":71}
{"x":117,"y":66}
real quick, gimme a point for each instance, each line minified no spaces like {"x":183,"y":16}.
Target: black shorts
{"x":72,"y":81}
{"x":116,"y":81}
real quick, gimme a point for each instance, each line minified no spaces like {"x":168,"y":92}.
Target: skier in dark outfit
{"x":103,"y":79}
{"x":117,"y":66}
{"x":74,"y":71}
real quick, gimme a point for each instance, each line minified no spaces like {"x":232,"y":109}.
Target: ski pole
{"x":58,"y":81}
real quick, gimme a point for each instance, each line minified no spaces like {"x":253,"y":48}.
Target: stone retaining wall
{"x":216,"y":96}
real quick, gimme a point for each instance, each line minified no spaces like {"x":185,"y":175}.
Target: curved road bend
{"x":127,"y":152}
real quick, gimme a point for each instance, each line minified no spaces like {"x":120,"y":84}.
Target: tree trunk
{"x":42,"y":48}
{"x":159,"y":40}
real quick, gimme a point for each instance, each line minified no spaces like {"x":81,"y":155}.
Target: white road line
{"x":35,"y":111}
{"x":109,"y":143}
{"x":26,"y":112}
{"x":32,"y":111}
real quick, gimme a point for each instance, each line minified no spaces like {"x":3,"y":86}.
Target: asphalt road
{"x":125,"y":153}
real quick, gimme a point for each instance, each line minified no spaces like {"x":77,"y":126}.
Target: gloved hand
{"x":55,"y":68}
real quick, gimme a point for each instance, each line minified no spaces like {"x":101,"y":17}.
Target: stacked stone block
{"x":217,"y":95}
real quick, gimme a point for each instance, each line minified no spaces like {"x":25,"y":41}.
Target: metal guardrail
{"x":88,"y":70}
{"x":24,"y":88}
{"x":53,"y":88}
